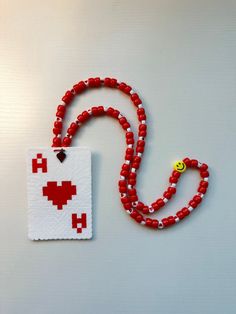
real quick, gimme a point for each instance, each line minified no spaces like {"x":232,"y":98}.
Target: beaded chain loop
{"x":133,"y":154}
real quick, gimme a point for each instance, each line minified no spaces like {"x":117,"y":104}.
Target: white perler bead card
{"x":59,"y":194}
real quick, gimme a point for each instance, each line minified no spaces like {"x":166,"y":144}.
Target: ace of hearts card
{"x":59,"y":193}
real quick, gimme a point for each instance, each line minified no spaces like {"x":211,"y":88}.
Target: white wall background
{"x":180,"y":56}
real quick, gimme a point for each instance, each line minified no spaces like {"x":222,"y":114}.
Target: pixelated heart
{"x":59,"y":194}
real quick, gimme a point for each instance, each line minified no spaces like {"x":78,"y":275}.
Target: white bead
{"x":190,"y":208}
{"x":90,"y":111}
{"x":134,"y":204}
{"x":205,"y":179}
{"x":63,"y":103}
{"x":140,"y":106}
{"x":105,"y":108}
{"x":130,"y":146}
{"x":142,"y":222}
{"x":199,"y":164}
{"x":120,"y":116}
{"x":122,"y":178}
{"x":128,"y":212}
{"x":133,"y":170}
{"x":128,"y":130}
{"x":176,"y":219}
{"x":141,"y":138}
{"x":151,"y":210}
{"x":143,"y":121}
{"x":127,"y":162}
{"x":165,"y":200}
{"x":129,"y":186}
{"x":173,"y":185}
{"x":139,"y":154}
{"x":132,"y":92}
{"x":160,"y":225}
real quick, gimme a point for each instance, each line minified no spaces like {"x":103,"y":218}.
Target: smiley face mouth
{"x":179,"y":168}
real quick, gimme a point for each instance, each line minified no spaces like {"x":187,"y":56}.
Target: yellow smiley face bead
{"x":180,"y":166}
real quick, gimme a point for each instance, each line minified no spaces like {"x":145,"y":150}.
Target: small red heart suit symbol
{"x":59,"y":194}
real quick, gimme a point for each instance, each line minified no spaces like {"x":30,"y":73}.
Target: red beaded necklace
{"x":133,"y":154}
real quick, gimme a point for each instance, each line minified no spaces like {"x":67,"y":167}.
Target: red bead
{"x":126,"y":126}
{"x":142,"y":133}
{"x":149,"y":222}
{"x":140,"y":206}
{"x":155,"y":223}
{"x":176,"y":174}
{"x":67,"y":98}
{"x":142,"y":117}
{"x":122,"y":183}
{"x":125,"y":167}
{"x":61,"y":108}
{"x":145,"y":210}
{"x":122,"y":189}
{"x":107,"y":81}
{"x":110,"y":82}
{"x":113,"y":82}
{"x":203,"y":167}
{"x":187,"y":161}
{"x":193,"y":204}
{"x":165,"y":222}
{"x":155,"y":206}
{"x":204,"y":174}
{"x":173,"y":180}
{"x":80,"y":87}
{"x":134,"y":214}
{"x":167,"y":195}
{"x":132,"y":175}
{"x":115,"y":113}
{"x":202,"y":190}
{"x":134,"y":96}
{"x":171,"y":220}
{"x":139,"y":149}
{"x":128,"y":157}
{"x":194,"y":163}
{"x":132,"y":182}
{"x":124,"y":200}
{"x":185,"y":211}
{"x":137,"y":102}
{"x":60,"y":114}
{"x":133,"y":198}
{"x":160,"y":202}
{"x":180,"y":215}
{"x":197,"y":199}
{"x":141,"y":111}
{"x":139,"y":218}
{"x":56,"y":141}
{"x":127,"y":206}
{"x":204,"y":184}
{"x":72,"y":129}
{"x":124,"y":173}
{"x":56,"y":131}
{"x":142,"y":127}
{"x":129,"y":135}
{"x":66,"y":141}
{"x":141,"y":143}
{"x":171,"y":190}
{"x":127,"y":89}
{"x":122,"y":120}
{"x":135,"y":165}
{"x":58,"y":124}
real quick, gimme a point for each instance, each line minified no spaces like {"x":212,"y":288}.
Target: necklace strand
{"x":133,"y":154}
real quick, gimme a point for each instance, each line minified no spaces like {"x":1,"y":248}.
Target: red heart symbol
{"x":59,"y":194}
